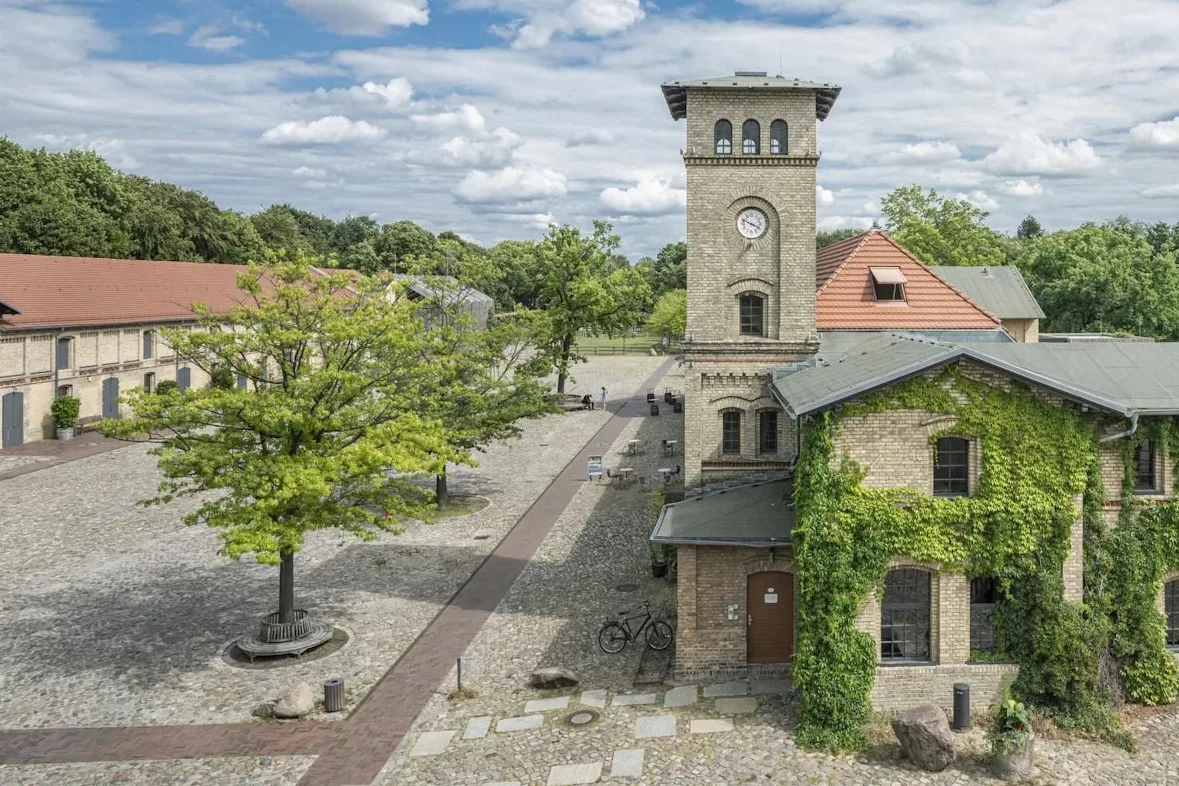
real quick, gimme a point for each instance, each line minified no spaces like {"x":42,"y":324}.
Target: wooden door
{"x":770,"y":617}
{"x":12,"y":420}
{"x":110,"y":397}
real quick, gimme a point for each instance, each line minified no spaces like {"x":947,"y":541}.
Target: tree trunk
{"x":566,"y":347}
{"x":286,"y":588}
{"x":440,"y":490}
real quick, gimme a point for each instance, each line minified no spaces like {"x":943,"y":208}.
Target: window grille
{"x":950,"y":470}
{"x":731,"y":433}
{"x":752,"y":315}
{"x":984,"y":592}
{"x":904,"y":617}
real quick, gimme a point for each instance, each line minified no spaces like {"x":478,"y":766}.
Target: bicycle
{"x":616,"y":634}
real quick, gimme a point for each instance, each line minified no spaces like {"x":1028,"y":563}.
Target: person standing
{"x":603,"y":398}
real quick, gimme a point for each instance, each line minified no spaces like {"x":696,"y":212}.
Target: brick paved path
{"x":51,"y":452}
{"x":355,"y":750}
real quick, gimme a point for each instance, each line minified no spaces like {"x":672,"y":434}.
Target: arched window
{"x":723,"y":135}
{"x":778,"y":138}
{"x":731,"y":432}
{"x":1171,"y":607}
{"x":904,"y":616}
{"x":950,"y":471}
{"x":752,"y":314}
{"x":750,"y":138}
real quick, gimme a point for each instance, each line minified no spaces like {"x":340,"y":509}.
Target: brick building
{"x":777,"y":332}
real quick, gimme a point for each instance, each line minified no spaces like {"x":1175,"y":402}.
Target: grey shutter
{"x":63,"y":353}
{"x":147,"y":345}
{"x":110,"y":397}
{"x":184,"y":379}
{"x":12,"y":420}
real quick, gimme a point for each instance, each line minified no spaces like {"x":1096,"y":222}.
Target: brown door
{"x":770,"y":613}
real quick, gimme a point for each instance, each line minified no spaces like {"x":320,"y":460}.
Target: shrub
{"x":222,"y":379}
{"x":65,"y":411}
{"x":167,"y":386}
{"x":1012,"y":728}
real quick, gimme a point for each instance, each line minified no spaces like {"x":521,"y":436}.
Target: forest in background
{"x":1119,"y":276}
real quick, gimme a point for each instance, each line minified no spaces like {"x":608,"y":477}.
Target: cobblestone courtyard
{"x":92,"y":587}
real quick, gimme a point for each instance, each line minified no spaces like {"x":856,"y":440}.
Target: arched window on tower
{"x":778,"y":138}
{"x":723,"y":134}
{"x":752,"y":314}
{"x":750,"y":138}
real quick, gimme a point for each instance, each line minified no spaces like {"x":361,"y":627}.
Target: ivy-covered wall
{"x":1038,"y":457}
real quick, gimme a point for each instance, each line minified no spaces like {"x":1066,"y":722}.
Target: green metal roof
{"x":1001,"y":290}
{"x":1118,"y":378}
{"x":759,"y":515}
{"x":675,"y":93}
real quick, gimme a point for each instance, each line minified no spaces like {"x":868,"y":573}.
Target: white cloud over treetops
{"x":331,"y":130}
{"x":646,"y":198}
{"x":1164,"y":134}
{"x":823,"y":196}
{"x":1028,"y":154}
{"x":511,"y":185}
{"x":1022,"y":188}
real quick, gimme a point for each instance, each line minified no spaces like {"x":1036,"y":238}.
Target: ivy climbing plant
{"x":1037,"y":461}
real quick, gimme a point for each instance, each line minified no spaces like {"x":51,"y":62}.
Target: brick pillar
{"x":953,"y":618}
{"x":1074,"y":563}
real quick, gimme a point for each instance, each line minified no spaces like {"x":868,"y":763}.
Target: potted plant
{"x":65,"y":415}
{"x":1012,"y":742}
{"x":658,"y":563}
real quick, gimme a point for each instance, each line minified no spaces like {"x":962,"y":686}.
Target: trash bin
{"x":654,"y":409}
{"x":333,"y":694}
{"x":961,"y":706}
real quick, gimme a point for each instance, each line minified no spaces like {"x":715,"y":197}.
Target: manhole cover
{"x":582,"y":718}
{"x":627,"y":587}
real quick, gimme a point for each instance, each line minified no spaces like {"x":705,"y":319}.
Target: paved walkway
{"x":33,"y":456}
{"x":353,"y":751}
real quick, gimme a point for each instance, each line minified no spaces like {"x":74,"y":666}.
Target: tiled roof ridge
{"x":860,"y":240}
{"x":929,"y":269}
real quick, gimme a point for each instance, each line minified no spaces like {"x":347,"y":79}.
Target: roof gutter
{"x":1122,"y":434}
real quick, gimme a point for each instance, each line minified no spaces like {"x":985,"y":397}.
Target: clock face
{"x":751,"y":223}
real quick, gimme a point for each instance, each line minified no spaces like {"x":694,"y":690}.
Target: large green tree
{"x":1104,"y":278}
{"x":939,"y":230}
{"x":670,"y":316}
{"x":582,"y":292}
{"x":667,"y":271}
{"x":328,"y":436}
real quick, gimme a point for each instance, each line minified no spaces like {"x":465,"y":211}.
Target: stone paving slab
{"x":544,"y":705}
{"x":632,"y":699}
{"x":522,"y":723}
{"x":682,"y":696}
{"x":769,"y":687}
{"x":655,"y":726}
{"x":503,"y":783}
{"x":736,"y":706}
{"x":594,"y":698}
{"x":726,"y":689}
{"x":627,"y":763}
{"x":575,"y":774}
{"x":432,"y":743}
{"x":477,"y":728}
{"x":710,"y":725}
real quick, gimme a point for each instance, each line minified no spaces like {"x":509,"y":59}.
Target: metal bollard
{"x":333,"y":694}
{"x":961,"y":706}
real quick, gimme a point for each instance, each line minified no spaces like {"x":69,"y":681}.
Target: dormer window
{"x":723,"y":134}
{"x":752,"y":314}
{"x":888,"y":284}
{"x":778,"y":138}
{"x":750,"y":138}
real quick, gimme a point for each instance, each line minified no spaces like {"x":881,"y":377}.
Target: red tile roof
{"x":846,"y":301}
{"x":81,"y":291}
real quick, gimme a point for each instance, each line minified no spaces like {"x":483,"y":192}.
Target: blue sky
{"x":495,"y":117}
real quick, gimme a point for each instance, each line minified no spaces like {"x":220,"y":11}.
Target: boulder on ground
{"x":925,"y":736}
{"x":263,"y":710}
{"x":296,"y":702}
{"x":553,"y":678}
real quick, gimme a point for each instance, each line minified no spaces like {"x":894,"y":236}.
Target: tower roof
{"x":676,"y":93}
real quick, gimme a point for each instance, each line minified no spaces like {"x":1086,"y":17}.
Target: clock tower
{"x":751,"y":156}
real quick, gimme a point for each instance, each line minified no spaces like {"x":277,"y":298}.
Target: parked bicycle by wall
{"x":630,"y":625}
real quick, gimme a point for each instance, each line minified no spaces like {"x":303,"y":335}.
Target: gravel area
{"x":117,"y":614}
{"x":246,"y":771}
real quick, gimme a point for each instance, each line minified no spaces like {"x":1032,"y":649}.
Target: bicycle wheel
{"x":659,"y":635}
{"x":612,"y":638}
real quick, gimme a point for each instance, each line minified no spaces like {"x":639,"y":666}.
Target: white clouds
{"x":650,"y":197}
{"x":494,"y":149}
{"x":980,"y":199}
{"x":396,"y":93}
{"x":511,"y":184}
{"x":167,"y":27}
{"x":593,"y":18}
{"x":909,"y":59}
{"x":924,"y":153}
{"x":1022,"y":188}
{"x":1161,"y":192}
{"x":832,"y":223}
{"x":1161,"y":135}
{"x":331,"y":130}
{"x":466,"y":117}
{"x":307,"y":171}
{"x":1028,"y":154}
{"x":364,"y":17}
{"x":589,"y":137}
{"x":206,"y":37}
{"x":823,"y":196}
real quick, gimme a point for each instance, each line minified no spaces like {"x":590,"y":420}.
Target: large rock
{"x":296,"y":702}
{"x":553,"y":678}
{"x":925,"y":736}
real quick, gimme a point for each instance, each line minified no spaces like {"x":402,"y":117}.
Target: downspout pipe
{"x":1122,"y":434}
